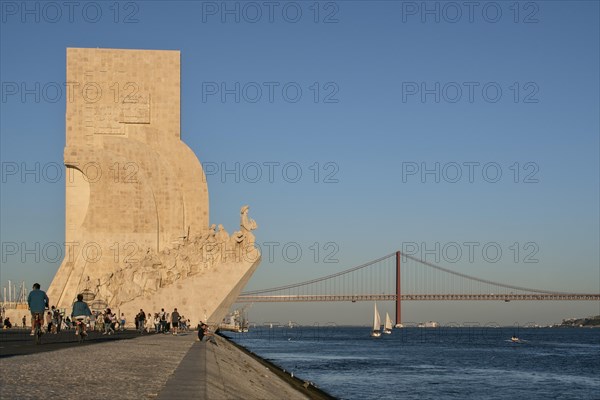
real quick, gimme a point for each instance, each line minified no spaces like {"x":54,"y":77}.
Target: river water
{"x":436,"y":363}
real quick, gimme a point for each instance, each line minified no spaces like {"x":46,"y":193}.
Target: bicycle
{"x":37,"y":328}
{"x":79,"y":331}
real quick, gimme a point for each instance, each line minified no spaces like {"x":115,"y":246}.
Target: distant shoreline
{"x":588,"y":322}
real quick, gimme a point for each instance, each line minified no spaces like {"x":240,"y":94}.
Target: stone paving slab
{"x":219,"y":371}
{"x":189,"y":379}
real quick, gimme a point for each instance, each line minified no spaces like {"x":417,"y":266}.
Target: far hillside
{"x":588,"y":321}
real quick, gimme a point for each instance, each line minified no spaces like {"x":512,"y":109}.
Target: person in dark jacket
{"x":38,"y":303}
{"x":81,"y":312}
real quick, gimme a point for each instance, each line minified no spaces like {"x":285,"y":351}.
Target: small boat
{"x":387,"y":327}
{"x":516,"y":340}
{"x":376,"y":332}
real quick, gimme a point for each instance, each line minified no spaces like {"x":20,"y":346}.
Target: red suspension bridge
{"x":399,"y":277}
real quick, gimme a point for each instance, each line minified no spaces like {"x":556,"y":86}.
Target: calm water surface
{"x":441,"y":363}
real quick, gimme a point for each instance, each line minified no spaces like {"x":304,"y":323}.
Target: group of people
{"x":52,"y":320}
{"x":106,"y":321}
{"x":161,"y":322}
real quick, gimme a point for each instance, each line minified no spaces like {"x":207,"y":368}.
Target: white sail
{"x":376,"y":319}
{"x":376,"y":323}
{"x":388,"y":322}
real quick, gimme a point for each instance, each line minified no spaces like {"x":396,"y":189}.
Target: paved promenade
{"x":146,"y":367}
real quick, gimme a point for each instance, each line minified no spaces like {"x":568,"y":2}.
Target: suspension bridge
{"x":400,"y":277}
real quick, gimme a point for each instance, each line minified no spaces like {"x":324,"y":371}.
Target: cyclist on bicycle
{"x":80,"y":312}
{"x":38,"y":303}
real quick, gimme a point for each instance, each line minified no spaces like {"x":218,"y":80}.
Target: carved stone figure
{"x":247,"y":225}
{"x":222,"y":235}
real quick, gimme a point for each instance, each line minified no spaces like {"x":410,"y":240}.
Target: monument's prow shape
{"x":137,"y":217}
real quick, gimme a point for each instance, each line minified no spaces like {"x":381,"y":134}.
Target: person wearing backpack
{"x":141,"y":321}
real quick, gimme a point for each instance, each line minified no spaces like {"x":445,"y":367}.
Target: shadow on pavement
{"x":17,"y":342}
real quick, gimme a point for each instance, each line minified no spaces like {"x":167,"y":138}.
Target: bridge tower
{"x":398,"y":309}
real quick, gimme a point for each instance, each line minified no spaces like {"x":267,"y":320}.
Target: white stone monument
{"x":137,"y":216}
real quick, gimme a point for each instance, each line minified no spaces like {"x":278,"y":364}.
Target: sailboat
{"x":376,"y":332}
{"x":387,"y":327}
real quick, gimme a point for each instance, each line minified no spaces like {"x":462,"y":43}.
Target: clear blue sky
{"x":373,"y":120}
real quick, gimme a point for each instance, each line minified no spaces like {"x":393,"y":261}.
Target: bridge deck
{"x":409,"y":297}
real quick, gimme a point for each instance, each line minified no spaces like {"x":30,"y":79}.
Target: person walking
{"x":141,"y":321}
{"x":175,"y":321}
{"x":163,"y":320}
{"x":156,"y":322}
{"x":49,"y":322}
{"x":108,"y":321}
{"x":55,"y":314}
{"x":122,"y":322}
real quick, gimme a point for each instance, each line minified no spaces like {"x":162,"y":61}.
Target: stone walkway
{"x":147,"y":367}
{"x":124,"y":369}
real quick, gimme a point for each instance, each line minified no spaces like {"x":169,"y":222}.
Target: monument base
{"x":205,"y":297}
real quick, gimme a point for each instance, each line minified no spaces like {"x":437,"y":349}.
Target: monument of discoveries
{"x":137,"y":219}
